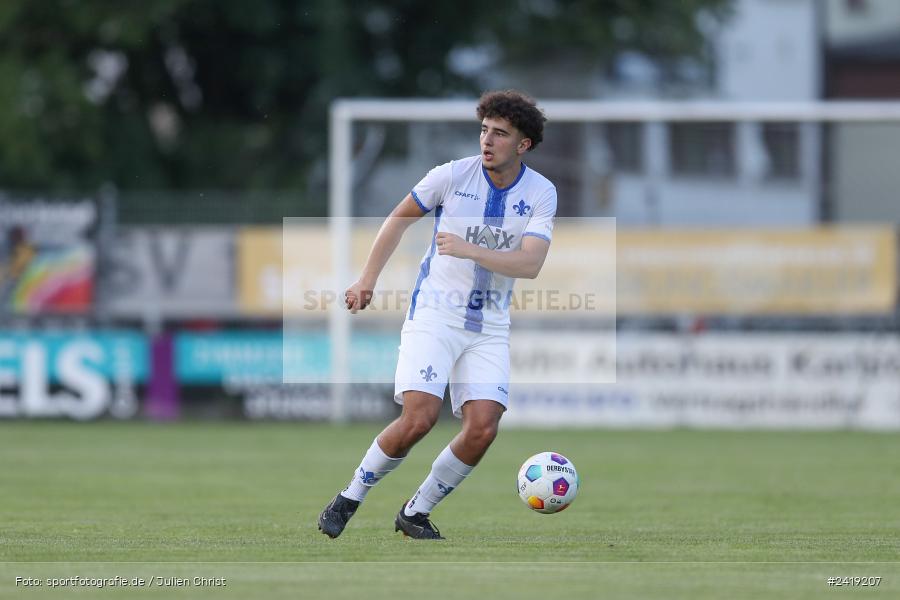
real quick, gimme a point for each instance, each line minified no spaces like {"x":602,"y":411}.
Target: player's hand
{"x":359,"y":295}
{"x":449,"y":244}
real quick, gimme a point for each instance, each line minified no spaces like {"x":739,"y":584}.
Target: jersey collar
{"x":510,"y":186}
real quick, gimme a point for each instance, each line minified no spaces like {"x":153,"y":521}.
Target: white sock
{"x":447,"y":472}
{"x":374,"y":466}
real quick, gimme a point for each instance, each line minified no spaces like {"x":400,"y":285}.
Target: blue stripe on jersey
{"x":494,"y":209}
{"x":425,"y":269}
{"x":419,"y":202}
{"x":537,"y":235}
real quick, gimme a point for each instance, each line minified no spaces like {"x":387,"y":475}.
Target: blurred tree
{"x":233,"y":94}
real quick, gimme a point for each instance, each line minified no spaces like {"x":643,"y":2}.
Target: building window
{"x":624,"y":142}
{"x":702,"y":149}
{"x":782,"y":143}
{"x":856,"y":6}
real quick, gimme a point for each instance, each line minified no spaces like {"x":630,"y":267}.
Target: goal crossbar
{"x":588,"y":110}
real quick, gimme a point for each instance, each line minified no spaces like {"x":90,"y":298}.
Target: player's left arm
{"x":526,"y":262}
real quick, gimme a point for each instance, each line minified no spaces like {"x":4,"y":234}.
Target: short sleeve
{"x":430,"y":192}
{"x":540,"y":224}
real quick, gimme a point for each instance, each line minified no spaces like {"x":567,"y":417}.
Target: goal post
{"x":344,"y":113}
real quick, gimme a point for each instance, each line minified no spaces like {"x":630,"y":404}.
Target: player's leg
{"x":423,"y":368}
{"x":479,"y":394}
{"x":390,"y":447}
{"x":455,"y":462}
{"x":481,"y":419}
{"x":478,"y":391}
{"x":420,"y":412}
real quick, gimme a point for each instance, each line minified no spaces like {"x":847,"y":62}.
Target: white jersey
{"x":466,"y":202}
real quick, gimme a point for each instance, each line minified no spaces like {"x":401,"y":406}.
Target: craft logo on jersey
{"x":492,"y":238}
{"x":466,"y":195}
{"x":521,"y":208}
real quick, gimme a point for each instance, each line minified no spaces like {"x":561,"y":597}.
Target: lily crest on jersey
{"x":521,"y":208}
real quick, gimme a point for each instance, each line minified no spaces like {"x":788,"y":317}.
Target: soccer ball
{"x":548,"y":482}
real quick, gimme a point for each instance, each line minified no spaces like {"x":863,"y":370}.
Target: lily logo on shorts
{"x":429,"y":374}
{"x":521,"y":208}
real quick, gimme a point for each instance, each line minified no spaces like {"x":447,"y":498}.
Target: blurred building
{"x":711,"y":173}
{"x":861,"y":49}
{"x":726,"y":173}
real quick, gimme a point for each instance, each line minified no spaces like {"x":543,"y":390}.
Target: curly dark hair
{"x":517,"y":108}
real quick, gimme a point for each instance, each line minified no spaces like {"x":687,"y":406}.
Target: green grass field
{"x":668,"y":514}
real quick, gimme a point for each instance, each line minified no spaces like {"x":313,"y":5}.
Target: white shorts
{"x":476,"y":365}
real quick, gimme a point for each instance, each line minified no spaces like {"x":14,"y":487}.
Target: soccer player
{"x":493,"y":219}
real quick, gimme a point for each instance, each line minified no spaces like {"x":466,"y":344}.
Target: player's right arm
{"x":359,"y":295}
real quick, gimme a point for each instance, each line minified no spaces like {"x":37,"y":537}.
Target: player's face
{"x":501,"y":144}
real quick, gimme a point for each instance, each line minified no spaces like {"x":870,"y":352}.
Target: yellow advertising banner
{"x":822,"y":271}
{"x":595,"y":271}
{"x":259,"y":270}
{"x":267,"y":282}
{"x":289,"y":270}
